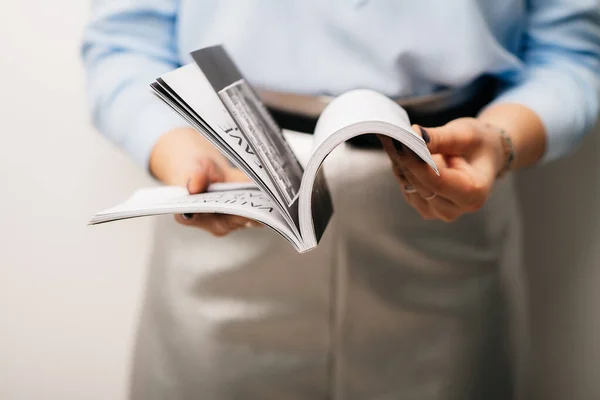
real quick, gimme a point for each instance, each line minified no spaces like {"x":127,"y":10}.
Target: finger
{"x":424,"y":194}
{"x":419,"y":204}
{"x":450,"y":184}
{"x":403,"y":160}
{"x":206,"y":172}
{"x":413,"y":185}
{"x":406,"y":163}
{"x":461,"y":186}
{"x":444,"y":209}
{"x":213,"y":223}
{"x":400,"y":176}
{"x":217,"y":224}
{"x":436,"y":208}
{"x":458,"y":186}
{"x":236,"y":175}
{"x":458,"y":163}
{"x":241,"y":222}
{"x":393,"y":149}
{"x":439,"y":160}
{"x":390,"y":147}
{"x":420,"y":176}
{"x":450,"y":139}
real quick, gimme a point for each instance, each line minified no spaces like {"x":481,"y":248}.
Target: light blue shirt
{"x":547,"y":51}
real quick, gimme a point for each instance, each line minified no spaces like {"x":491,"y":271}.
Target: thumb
{"x":446,"y":139}
{"x":206,"y":172}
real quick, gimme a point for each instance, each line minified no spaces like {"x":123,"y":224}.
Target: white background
{"x":70,"y":294}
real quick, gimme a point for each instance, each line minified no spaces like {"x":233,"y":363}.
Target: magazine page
{"x":367,"y":106}
{"x":251,"y":116}
{"x":195,"y":92}
{"x":352,"y":114}
{"x":245,"y":200}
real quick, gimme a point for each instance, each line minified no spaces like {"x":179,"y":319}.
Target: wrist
{"x":502,"y":150}
{"x":494,"y":149}
{"x":525,"y":129}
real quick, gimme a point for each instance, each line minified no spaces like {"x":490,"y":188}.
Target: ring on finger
{"x":409,"y":189}
{"x":430,"y":197}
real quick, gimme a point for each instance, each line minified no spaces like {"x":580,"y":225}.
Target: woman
{"x":414,"y":291}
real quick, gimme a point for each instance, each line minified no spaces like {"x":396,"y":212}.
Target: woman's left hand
{"x":469,"y":154}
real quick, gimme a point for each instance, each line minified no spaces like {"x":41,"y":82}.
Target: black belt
{"x":418,"y":114}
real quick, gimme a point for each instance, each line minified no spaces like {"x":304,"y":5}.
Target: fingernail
{"x":187,"y":183}
{"x":398,"y":146}
{"x":187,"y":216}
{"x":248,"y":224}
{"x":425,"y":135}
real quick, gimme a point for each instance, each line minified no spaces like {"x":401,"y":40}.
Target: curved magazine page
{"x":195,"y":90}
{"x":235,"y":199}
{"x":252,"y":117}
{"x":353,"y":114}
{"x":187,"y":91}
{"x":364,"y":105}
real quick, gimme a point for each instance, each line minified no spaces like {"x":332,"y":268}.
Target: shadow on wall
{"x":561,"y":211}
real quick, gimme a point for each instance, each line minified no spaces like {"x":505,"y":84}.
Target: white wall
{"x":69,"y":294}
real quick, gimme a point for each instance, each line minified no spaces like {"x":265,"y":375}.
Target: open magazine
{"x":214,"y":98}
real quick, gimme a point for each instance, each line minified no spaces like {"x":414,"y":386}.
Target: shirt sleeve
{"x":560,"y":80}
{"x":127,"y":44}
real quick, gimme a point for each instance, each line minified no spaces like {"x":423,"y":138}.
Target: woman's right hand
{"x":183,"y":157}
